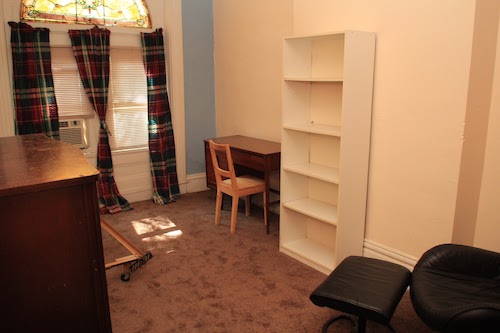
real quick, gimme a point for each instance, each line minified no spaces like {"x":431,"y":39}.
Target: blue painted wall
{"x":199,"y":96}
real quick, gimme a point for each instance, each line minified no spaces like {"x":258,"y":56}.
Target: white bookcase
{"x":325,"y":145}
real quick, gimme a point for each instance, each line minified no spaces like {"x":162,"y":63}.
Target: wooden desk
{"x":51,"y":253}
{"x":250,"y":155}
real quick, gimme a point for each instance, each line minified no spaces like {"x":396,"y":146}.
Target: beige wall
{"x":431,"y":112}
{"x":422,"y":85}
{"x":488,"y":218}
{"x":476,"y":120}
{"x":247,"y":48}
{"x":420,"y":93}
{"x":422,"y":97}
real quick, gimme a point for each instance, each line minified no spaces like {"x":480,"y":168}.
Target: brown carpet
{"x":203,"y":279}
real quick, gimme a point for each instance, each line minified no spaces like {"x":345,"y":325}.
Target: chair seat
{"x":245,"y":182}
{"x":446,"y":295}
{"x":456,"y":288}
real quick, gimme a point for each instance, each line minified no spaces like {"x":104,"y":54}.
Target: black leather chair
{"x":456,"y":288}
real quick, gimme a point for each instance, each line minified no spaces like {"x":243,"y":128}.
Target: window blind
{"x":128,"y":99}
{"x":127,"y":115}
{"x":72,"y":101}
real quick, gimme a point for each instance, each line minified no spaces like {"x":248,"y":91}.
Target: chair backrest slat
{"x":222,"y":153}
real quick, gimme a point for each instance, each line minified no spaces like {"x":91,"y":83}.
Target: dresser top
{"x":36,"y":162}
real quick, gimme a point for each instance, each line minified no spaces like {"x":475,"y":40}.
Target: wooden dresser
{"x":53,"y":277}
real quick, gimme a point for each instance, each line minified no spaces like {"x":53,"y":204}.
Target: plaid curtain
{"x":91,"y":50}
{"x":160,"y":130}
{"x":34,"y":98}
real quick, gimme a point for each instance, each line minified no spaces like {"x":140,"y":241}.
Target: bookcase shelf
{"x":321,"y":172}
{"x":312,"y":253}
{"x":313,"y":79}
{"x":314,"y":128}
{"x":315,"y":209}
{"x":326,"y":119}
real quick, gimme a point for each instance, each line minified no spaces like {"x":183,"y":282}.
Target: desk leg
{"x":267,"y":176}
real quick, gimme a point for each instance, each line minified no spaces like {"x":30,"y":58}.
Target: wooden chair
{"x":228,"y":183}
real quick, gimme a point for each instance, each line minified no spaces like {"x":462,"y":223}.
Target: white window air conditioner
{"x":73,"y":132}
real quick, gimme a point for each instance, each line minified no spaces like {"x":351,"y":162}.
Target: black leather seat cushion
{"x":456,"y":288}
{"x":365,"y":287}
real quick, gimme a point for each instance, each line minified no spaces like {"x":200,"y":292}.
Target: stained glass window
{"x":125,"y":13}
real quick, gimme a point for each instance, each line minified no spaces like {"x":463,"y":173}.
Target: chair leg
{"x":218,"y":207}
{"x":247,"y":205}
{"x":234,"y":213}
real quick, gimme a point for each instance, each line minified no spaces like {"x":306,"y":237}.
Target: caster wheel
{"x":125,"y":277}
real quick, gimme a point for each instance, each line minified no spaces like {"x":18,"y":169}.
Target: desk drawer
{"x":245,"y":159}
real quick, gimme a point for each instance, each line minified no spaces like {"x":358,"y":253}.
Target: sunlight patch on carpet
{"x":166,"y":236}
{"x":152,"y":224}
{"x":153,"y":229}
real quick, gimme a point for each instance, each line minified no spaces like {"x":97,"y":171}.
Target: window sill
{"x":119,"y":152}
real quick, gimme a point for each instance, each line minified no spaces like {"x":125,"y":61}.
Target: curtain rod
{"x":121,"y":47}
{"x":130,"y":32}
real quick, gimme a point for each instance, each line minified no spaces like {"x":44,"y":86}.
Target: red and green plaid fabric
{"x":161,"y":132}
{"x":91,"y":50}
{"x":34,"y":98}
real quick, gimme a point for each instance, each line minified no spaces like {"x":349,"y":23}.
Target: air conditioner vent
{"x":73,"y":132}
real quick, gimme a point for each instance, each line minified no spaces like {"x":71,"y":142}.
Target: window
{"x":128,"y":100}
{"x":127,"y":115}
{"x":70,"y":95}
{"x":125,"y":13}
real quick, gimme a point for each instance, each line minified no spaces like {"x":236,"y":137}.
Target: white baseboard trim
{"x":139,"y":188}
{"x":134,"y":189}
{"x":196,"y":183}
{"x":378,"y":251}
{"x":138,"y":196}
{"x":183,"y":188}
